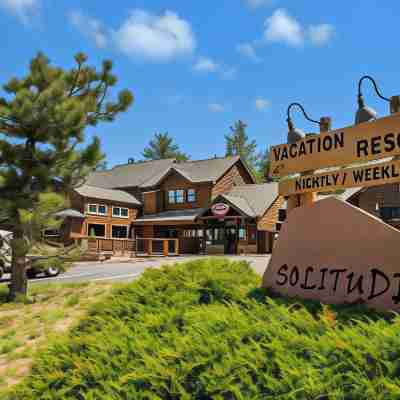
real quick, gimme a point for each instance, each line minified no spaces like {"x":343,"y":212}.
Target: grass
{"x":25,"y":328}
{"x":204,"y":330}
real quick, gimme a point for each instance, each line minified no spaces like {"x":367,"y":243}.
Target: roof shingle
{"x":107,"y":194}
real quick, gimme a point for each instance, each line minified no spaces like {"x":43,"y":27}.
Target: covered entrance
{"x":229,"y":230}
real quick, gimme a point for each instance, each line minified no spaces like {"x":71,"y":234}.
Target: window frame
{"x":97,"y":212}
{"x":92,"y":212}
{"x":245,"y":235}
{"x":173,"y":198}
{"x":120,"y":226}
{"x":120,"y":208}
{"x":177,"y":199}
{"x":88,"y":230}
{"x":194,"y":195}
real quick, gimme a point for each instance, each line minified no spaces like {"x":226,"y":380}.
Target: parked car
{"x":33,"y":267}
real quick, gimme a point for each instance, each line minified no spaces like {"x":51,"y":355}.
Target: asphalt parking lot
{"x":130,"y":269}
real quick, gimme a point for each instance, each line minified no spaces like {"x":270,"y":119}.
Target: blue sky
{"x":197,"y":66}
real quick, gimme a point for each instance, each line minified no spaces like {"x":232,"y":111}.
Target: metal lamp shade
{"x":294,"y":135}
{"x":365,"y":114}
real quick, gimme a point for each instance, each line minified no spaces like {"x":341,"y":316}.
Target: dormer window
{"x":191,"y":195}
{"x":176,"y":196}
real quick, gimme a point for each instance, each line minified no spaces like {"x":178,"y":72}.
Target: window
{"x":171,"y":196}
{"x":281,"y":215}
{"x":242,"y":233}
{"x":98,"y":209}
{"x":176,"y":196}
{"x":388,"y":213}
{"x":180,"y":196}
{"x":92,"y":208}
{"x":191,"y":195}
{"x":102,"y":209}
{"x":120,"y":212}
{"x":119,"y":232}
{"x":252,"y":234}
{"x":96,"y":230}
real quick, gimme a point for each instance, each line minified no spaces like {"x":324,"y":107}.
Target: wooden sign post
{"x":333,"y":251}
{"x":360,"y":143}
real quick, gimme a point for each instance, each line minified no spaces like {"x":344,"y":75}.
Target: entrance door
{"x":230,"y":240}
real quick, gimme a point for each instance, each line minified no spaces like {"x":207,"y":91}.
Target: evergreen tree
{"x":238,"y":144}
{"x":43,"y":117}
{"x":263,"y":166}
{"x":162,"y":146}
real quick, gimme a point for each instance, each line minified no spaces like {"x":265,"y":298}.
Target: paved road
{"x":131,"y":269}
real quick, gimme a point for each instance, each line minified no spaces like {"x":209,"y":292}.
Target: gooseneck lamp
{"x":365,"y":113}
{"x":295,"y":134}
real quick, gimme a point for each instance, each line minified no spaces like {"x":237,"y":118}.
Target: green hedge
{"x":202,"y":330}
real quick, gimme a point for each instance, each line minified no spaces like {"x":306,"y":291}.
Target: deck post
{"x":177,"y":246}
{"x":165,"y":248}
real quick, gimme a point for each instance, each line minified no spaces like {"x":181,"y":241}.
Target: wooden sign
{"x":336,"y":253}
{"x":368,"y":175}
{"x":359,"y":143}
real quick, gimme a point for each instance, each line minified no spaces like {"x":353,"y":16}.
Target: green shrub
{"x":203,"y":330}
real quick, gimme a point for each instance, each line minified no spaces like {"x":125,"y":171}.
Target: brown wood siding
{"x":270,"y":218}
{"x":150,"y":202}
{"x":148,"y":231}
{"x":108,"y":220}
{"x":384,"y":196}
{"x":175,"y":182}
{"x":235,"y":176}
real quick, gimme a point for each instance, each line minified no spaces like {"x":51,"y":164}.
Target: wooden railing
{"x":157,"y":246}
{"x":114,"y":246}
{"x":139,"y":246}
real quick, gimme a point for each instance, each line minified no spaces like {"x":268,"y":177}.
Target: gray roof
{"x":150,"y":173}
{"x":346,"y":195}
{"x":107,"y":194}
{"x":258,"y":197}
{"x":240,"y":203}
{"x":174,"y":215}
{"x":69,"y":212}
{"x":129,"y":175}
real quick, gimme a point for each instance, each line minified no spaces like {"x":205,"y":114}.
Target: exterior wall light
{"x":296,"y":134}
{"x":365,"y":113}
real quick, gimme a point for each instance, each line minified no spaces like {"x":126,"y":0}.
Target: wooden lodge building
{"x":170,"y":207}
{"x":166,"y":199}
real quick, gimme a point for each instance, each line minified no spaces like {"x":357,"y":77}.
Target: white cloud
{"x":216,"y":107}
{"x":205,"y":64}
{"x":90,"y":27}
{"x":281,"y":27}
{"x":258,"y":3}
{"x":23,"y":9}
{"x":155,"y":37}
{"x":248,"y":50}
{"x":262,"y":104}
{"x":320,"y":34}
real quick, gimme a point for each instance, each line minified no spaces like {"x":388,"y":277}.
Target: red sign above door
{"x":220,"y":210}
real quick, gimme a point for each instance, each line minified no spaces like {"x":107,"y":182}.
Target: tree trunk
{"x":19,"y":283}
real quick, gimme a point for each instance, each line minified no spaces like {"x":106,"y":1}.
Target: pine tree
{"x":237,"y":144}
{"x":43,"y":117}
{"x":263,"y":166}
{"x":162,"y":146}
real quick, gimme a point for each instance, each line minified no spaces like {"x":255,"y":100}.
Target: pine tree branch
{"x":71,"y":92}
